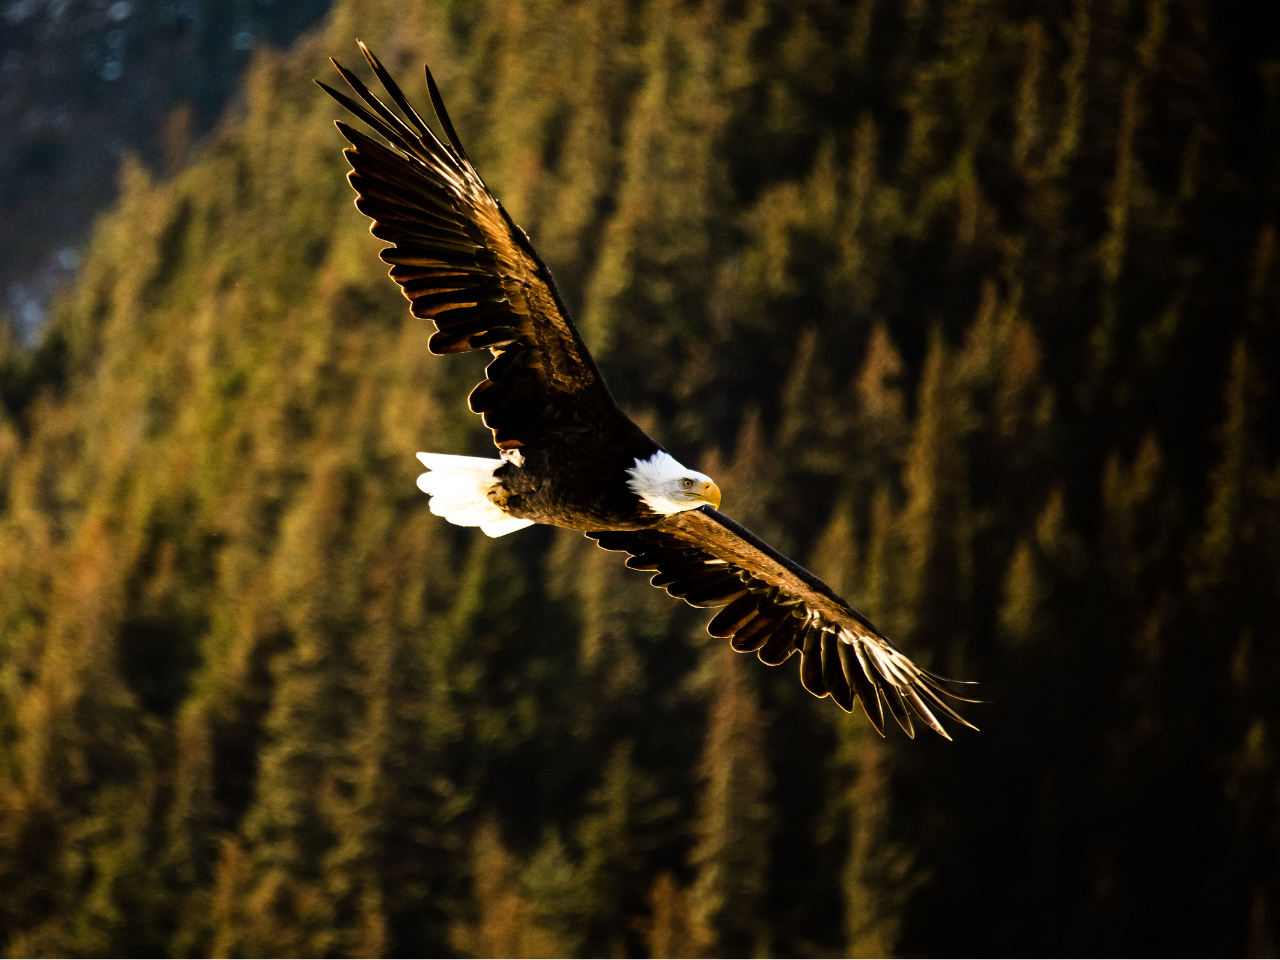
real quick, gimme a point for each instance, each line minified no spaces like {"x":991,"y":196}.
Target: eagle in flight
{"x":568,"y":455}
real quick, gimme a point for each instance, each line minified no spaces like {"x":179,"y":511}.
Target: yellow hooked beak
{"x":711,"y":494}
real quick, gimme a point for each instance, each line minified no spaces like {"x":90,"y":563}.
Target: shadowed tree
{"x":731,"y":854}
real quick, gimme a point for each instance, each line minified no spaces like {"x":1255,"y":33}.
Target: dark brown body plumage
{"x":584,"y":489}
{"x":464,"y":264}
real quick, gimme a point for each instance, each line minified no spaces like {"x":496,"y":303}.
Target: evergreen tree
{"x":731,"y":854}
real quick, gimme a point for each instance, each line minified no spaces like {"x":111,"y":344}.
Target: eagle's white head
{"x":668,"y":487}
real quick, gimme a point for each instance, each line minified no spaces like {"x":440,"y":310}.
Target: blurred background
{"x":972,"y":306}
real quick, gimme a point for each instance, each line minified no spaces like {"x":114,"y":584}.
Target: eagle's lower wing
{"x":775,"y":607}
{"x":463,"y":262}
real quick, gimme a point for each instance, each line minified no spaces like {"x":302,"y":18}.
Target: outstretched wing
{"x":463,"y":262}
{"x":774,"y":607}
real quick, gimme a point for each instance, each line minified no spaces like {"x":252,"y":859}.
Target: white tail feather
{"x":459,"y":490}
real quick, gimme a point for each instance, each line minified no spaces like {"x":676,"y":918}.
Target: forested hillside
{"x":82,"y":83}
{"x":972,"y":306}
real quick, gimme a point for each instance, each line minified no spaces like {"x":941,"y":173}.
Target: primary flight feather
{"x":569,"y":456}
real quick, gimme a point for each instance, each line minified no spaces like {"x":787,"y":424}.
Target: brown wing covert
{"x":774,"y":608}
{"x":464,"y":264}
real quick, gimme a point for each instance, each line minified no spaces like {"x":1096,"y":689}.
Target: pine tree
{"x":79,"y":758}
{"x":670,"y":931}
{"x":732,"y":853}
{"x":936,"y":520}
{"x":506,"y":925}
{"x":1238,"y":542}
{"x":614,"y":841}
{"x":878,"y":876}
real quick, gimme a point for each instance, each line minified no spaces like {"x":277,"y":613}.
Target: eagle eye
{"x":686,"y":483}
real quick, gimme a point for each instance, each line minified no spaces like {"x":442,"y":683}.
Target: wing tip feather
{"x":437,"y":104}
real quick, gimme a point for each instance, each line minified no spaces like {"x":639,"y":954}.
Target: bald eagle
{"x":568,"y":455}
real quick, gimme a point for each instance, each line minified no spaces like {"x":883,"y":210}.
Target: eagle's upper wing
{"x":776,"y":607}
{"x":463,"y":262}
